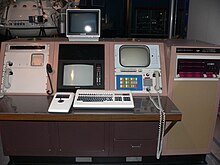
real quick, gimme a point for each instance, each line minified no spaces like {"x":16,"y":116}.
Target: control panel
{"x":197,"y":67}
{"x":24,"y":69}
{"x":137,"y":68}
{"x":139,"y":81}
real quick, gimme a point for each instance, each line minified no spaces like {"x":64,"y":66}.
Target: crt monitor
{"x":83,"y":24}
{"x":78,"y":75}
{"x":134,"y":56}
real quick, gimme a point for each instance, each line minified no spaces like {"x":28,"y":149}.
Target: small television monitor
{"x":73,"y":75}
{"x":78,"y":74}
{"x":83,"y":24}
{"x":80,"y":66}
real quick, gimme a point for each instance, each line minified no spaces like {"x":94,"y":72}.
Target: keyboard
{"x":119,"y":99}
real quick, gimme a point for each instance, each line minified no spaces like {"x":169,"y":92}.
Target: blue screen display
{"x":129,"y":82}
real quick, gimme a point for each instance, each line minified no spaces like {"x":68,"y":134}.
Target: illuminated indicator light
{"x":72,"y":75}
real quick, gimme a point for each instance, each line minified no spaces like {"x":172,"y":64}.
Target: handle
{"x":136,"y":146}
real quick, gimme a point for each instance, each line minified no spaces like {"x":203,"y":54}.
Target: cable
{"x":161,"y":124}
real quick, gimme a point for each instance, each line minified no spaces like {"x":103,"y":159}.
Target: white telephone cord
{"x":161,"y":124}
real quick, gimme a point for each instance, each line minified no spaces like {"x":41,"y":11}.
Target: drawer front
{"x":135,"y":130}
{"x":134,"y":147}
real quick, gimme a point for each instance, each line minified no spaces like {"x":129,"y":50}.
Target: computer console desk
{"x":32,"y":135}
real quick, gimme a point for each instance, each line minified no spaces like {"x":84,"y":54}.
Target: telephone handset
{"x":7,"y":71}
{"x":157,"y":82}
{"x":6,"y":82}
{"x":49,"y":70}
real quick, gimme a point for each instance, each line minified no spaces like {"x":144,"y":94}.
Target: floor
{"x":212,"y":159}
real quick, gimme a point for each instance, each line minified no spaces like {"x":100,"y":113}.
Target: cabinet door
{"x":26,"y":138}
{"x":83,"y":138}
{"x":133,"y":138}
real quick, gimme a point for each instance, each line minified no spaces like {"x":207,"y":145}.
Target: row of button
{"x":101,"y":99}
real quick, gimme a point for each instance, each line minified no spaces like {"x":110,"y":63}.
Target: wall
{"x":204,"y":21}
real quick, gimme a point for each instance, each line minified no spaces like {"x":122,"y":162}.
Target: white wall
{"x":204,"y":21}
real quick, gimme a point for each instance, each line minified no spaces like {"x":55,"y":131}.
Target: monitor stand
{"x":83,"y":39}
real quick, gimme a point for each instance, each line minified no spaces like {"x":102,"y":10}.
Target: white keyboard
{"x":119,"y":99}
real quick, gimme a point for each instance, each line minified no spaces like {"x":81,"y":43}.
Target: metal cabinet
{"x":27,"y":138}
{"x":83,"y":138}
{"x":75,"y":139}
{"x":54,"y":138}
{"x":133,"y":138}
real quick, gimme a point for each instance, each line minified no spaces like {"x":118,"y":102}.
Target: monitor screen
{"x":83,"y":24}
{"x":136,"y":56}
{"x":78,"y":75}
